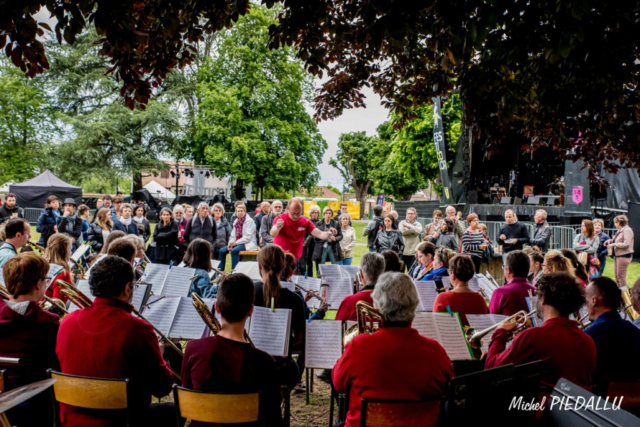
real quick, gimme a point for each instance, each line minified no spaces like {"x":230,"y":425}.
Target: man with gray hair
{"x":372,"y":266}
{"x":201,"y":226}
{"x":265,"y":208}
{"x":364,"y":370}
{"x":410,"y":229}
{"x":541,"y":237}
{"x":267,"y":220}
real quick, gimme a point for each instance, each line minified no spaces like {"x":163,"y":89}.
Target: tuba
{"x":209,"y":318}
{"x":367,"y":316}
{"x":74,"y":294}
{"x":521,"y":318}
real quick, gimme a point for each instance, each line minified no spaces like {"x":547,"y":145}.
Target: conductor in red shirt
{"x":107,"y":341}
{"x":511,"y":298}
{"x":372,"y":265}
{"x":376,"y":366}
{"x":290,"y":228}
{"x":567,"y":352}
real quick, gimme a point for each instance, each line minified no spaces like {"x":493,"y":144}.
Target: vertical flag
{"x":438,"y":140}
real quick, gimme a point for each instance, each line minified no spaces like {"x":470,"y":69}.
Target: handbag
{"x":583,"y":258}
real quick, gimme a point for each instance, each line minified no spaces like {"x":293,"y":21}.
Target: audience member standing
{"x":598,"y":227}
{"x":389,"y":238}
{"x":371,"y":230}
{"x":267,"y":220}
{"x":100,"y":229}
{"x":446,"y":237}
{"x":431,"y":229}
{"x":473,"y":243}
{"x":265,"y":208}
{"x":201,"y":226}
{"x":328,"y":249}
{"x":10,"y":209}
{"x":622,"y":244}
{"x":140,"y":217}
{"x":47,"y":223}
{"x":166,"y":237}
{"x":348,"y":241}
{"x":69,"y":223}
{"x":542,"y":235}
{"x":513,"y":234}
{"x":223,"y":230}
{"x":410,"y":229}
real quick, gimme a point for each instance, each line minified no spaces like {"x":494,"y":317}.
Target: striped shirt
{"x":471,"y":243}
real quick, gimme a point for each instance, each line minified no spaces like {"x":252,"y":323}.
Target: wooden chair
{"x":248,"y":255}
{"x":216,"y":408}
{"x":91,"y":393}
{"x":3,"y":380}
{"x":399,"y":413}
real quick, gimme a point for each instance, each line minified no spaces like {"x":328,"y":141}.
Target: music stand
{"x":575,"y":410}
{"x":505,"y":201}
{"x":533,"y":200}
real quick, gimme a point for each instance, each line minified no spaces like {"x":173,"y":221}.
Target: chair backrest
{"x":3,"y":381}
{"x":399,"y":413}
{"x":90,"y":393}
{"x":216,"y":408}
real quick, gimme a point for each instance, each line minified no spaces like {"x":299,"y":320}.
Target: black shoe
{"x":324,"y":375}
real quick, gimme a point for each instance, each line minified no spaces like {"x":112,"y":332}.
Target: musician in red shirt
{"x":462,"y":299}
{"x":372,"y":265}
{"x":290,"y":228}
{"x":28,"y":332}
{"x":107,"y":341}
{"x":510,"y":298}
{"x":567,"y":352}
{"x":364,"y":369}
{"x":226,"y":362}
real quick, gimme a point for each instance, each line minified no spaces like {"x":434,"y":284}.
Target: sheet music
{"x":54,"y":270}
{"x":310,"y":283}
{"x":178,"y":281}
{"x":82,"y":286}
{"x":473,"y":284}
{"x":337,"y":291}
{"x":182,"y":264}
{"x":491,"y":279}
{"x":188,"y":325}
{"x":323,"y":343}
{"x":154,"y":275}
{"x":214,"y":264}
{"x":288,"y":285}
{"x":250,"y":268}
{"x":94,"y":264}
{"x":532,"y":304}
{"x":427,"y":293}
{"x":138,"y":296}
{"x":480,"y":322}
{"x":270,"y":331}
{"x":446,"y":282}
{"x":82,"y":249}
{"x":161,"y":313}
{"x":330,"y":271}
{"x":486,"y":285}
{"x":350,"y":271}
{"x":445,"y":329}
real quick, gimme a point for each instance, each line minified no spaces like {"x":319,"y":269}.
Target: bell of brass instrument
{"x":74,"y":294}
{"x":206,"y":314}
{"x":631,"y":313}
{"x":522,"y":318}
{"x":81,"y":269}
{"x":367,"y":316}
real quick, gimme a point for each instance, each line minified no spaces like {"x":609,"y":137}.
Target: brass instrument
{"x":359,"y":281}
{"x":631,"y":313}
{"x":210,"y":319}
{"x":36,"y":246}
{"x":79,"y":267}
{"x":313,"y":293}
{"x":581,"y":323}
{"x":4,"y":293}
{"x":521,"y":318}
{"x":51,"y":305}
{"x":74,"y":294}
{"x":218,"y":279}
{"x":367,"y":315}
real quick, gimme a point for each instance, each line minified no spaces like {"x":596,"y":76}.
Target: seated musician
{"x":26,"y":331}
{"x":364,"y":370}
{"x":107,"y":341}
{"x":566,"y":350}
{"x":510,"y":298}
{"x":440,"y":265}
{"x":290,"y":264}
{"x":372,"y":266}
{"x":425,"y":253}
{"x":226,"y":363}
{"x":198,"y":256}
{"x":614,"y":337}
{"x":462,"y":299}
{"x":59,"y":252}
{"x":271,"y":262}
{"x":124,"y":248}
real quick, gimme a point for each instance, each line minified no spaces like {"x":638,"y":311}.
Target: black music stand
{"x":470,"y":395}
{"x":565,"y":413}
{"x":533,"y":201}
{"x":526,"y":384}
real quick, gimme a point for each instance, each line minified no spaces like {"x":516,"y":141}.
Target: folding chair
{"x":217,"y":408}
{"x":399,"y":413}
{"x":630,"y":391}
{"x":3,"y":380}
{"x":92,"y":393}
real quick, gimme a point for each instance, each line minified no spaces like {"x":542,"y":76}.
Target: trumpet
{"x":521,"y":318}
{"x":367,"y":315}
{"x":74,"y":294}
{"x":79,"y":267}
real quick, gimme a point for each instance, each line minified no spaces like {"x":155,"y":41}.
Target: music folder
{"x":427,"y":293}
{"x":270,"y":330}
{"x":141,"y":294}
{"x":323,"y":343}
{"x":176,"y":317}
{"x":167,"y":281}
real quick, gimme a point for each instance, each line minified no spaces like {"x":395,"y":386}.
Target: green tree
{"x":27,"y":124}
{"x":353,"y":160}
{"x":252,"y":125}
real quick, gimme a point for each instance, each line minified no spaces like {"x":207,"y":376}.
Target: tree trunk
{"x":361,"y":190}
{"x":136,"y":180}
{"x":238,"y":190}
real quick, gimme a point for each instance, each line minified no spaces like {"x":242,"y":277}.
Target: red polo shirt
{"x":566,"y":350}
{"x":107,"y":341}
{"x":390,"y":364}
{"x":291,"y":236}
{"x":510,"y":298}
{"x":347,"y":309}
{"x":462,"y":303}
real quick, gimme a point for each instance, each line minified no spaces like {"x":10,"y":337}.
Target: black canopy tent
{"x":34,"y":193}
{"x":143,"y":195}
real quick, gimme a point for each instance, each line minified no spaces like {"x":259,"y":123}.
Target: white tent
{"x":158,"y":191}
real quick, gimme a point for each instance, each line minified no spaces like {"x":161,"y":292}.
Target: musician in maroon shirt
{"x":365,"y":371}
{"x":510,"y":298}
{"x":566,"y":350}
{"x":372,"y":265}
{"x":226,"y":362}
{"x":28,"y":333}
{"x":107,"y":341}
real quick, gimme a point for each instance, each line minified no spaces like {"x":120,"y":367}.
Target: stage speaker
{"x":505,"y":201}
{"x":517,"y":201}
{"x":634,"y":223}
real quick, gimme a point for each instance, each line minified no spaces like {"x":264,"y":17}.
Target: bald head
{"x":265,"y":207}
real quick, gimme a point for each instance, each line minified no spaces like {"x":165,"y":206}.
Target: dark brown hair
{"x":198,"y":255}
{"x":589,"y":226}
{"x":581,"y":271}
{"x":392,"y":262}
{"x":123,"y":248}
{"x":235,"y":297}
{"x":607,"y":289}
{"x":394,"y":223}
{"x":427,"y":248}
{"x":272,"y":261}
{"x":50,"y":200}
{"x":290,"y":264}
{"x":112,"y":236}
{"x":462,"y":267}
{"x":23,"y":271}
{"x":561,"y":291}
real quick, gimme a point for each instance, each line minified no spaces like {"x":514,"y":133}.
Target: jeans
{"x":328,"y":252}
{"x":372,"y":249}
{"x":235,"y":256}
{"x":346,"y":261}
{"x":601,"y":267}
{"x":408,"y":262}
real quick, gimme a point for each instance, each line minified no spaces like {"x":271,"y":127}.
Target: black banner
{"x":439,"y":142}
{"x":576,"y":189}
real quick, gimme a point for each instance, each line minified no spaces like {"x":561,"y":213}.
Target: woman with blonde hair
{"x":348,"y":241}
{"x":555,"y":261}
{"x":58,"y":252}
{"x":100,"y":229}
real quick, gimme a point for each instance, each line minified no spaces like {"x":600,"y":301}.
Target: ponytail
{"x":272,"y":262}
{"x":290,"y":265}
